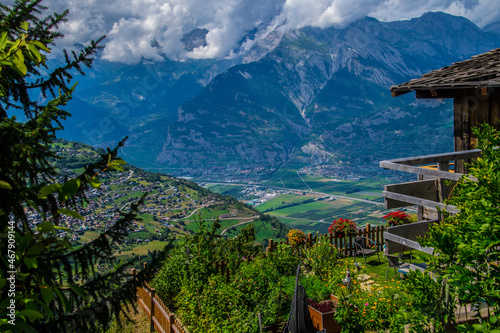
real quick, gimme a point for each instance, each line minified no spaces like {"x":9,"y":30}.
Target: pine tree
{"x":40,"y":266}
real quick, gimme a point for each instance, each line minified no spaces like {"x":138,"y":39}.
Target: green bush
{"x":232,"y":306}
{"x":322,"y":257}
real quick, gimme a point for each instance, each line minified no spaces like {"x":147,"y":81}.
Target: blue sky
{"x":132,"y":25}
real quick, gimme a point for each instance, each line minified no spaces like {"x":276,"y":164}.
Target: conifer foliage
{"x":46,"y":284}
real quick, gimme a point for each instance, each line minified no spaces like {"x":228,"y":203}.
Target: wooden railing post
{"x":443,"y":190}
{"x":420,"y":209}
{"x":270,"y":246}
{"x":171,"y":320}
{"x":377,"y":237}
{"x":151,"y":322}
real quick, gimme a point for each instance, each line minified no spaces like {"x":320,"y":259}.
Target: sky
{"x":153,"y":29}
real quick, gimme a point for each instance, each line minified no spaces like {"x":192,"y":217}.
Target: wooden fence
{"x":160,"y":317}
{"x":344,"y":244}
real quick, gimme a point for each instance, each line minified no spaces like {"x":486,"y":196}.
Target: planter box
{"x":324,"y":321}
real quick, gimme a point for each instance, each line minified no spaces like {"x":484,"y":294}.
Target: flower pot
{"x":324,"y":321}
{"x":334,"y":299}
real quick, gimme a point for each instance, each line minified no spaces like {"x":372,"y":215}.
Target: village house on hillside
{"x":474,"y":85}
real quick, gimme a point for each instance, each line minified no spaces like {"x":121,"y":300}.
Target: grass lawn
{"x":377,"y":270}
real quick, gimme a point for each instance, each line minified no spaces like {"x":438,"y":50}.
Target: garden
{"x":256,"y":288}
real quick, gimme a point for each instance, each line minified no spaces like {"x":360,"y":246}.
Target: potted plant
{"x":397,"y":218}
{"x":322,"y":315}
{"x":343,"y":227}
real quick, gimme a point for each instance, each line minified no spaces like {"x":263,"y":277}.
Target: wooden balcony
{"x":436,"y":178}
{"x":435,"y":181}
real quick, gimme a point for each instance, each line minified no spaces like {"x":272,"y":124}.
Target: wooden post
{"x":152,"y":304}
{"x":420,"y":209}
{"x":347,"y":242}
{"x":377,"y":237}
{"x":270,"y":246}
{"x":171,"y":320}
{"x":309,"y":240}
{"x":443,"y":189}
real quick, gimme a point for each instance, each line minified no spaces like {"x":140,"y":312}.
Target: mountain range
{"x":304,"y":97}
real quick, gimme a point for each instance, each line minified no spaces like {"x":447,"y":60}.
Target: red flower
{"x":397,"y":218}
{"x":343,"y":227}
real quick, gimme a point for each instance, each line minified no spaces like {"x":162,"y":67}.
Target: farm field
{"x":285,"y":200}
{"x":311,"y":203}
{"x":318,"y":215}
{"x":288,"y":178}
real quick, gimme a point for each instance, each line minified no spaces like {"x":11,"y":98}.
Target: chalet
{"x":474,"y":85}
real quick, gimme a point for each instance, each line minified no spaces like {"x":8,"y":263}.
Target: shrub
{"x":321,"y":257}
{"x":296,"y":237}
{"x":262,"y":285}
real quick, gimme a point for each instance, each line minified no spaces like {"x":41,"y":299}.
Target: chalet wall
{"x":471,"y":108}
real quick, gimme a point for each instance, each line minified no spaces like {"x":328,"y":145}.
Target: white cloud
{"x":391,"y":10}
{"x":326,"y":13}
{"x":134,"y":26}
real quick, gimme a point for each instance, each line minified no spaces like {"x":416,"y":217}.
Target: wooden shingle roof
{"x":481,"y":71}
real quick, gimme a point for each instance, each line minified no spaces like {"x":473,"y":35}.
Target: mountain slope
{"x":322,"y":95}
{"x":307,"y":96}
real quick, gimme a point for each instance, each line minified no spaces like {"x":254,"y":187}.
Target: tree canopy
{"x":47,"y":284}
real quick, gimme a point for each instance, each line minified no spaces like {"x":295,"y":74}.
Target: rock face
{"x":307,"y":96}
